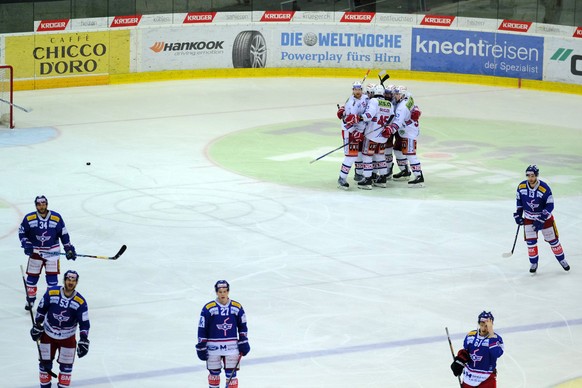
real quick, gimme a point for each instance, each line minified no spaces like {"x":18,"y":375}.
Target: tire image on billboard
{"x":249,"y":50}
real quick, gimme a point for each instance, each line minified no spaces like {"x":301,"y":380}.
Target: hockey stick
{"x":383,"y":76}
{"x":330,"y":152}
{"x":121,"y":250}
{"x":452,"y":353}
{"x":509,"y":254}
{"x":27,"y":110}
{"x":363,"y":80}
{"x":366,"y":76}
{"x":234,"y":370}
{"x":50,"y":372}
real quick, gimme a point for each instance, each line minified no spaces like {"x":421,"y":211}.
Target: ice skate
{"x":358,"y":177}
{"x":402,"y":175}
{"x":533,"y":268}
{"x":565,"y":265}
{"x":342,"y":184}
{"x":365,"y":184}
{"x":380,"y":181}
{"x":418,"y":181}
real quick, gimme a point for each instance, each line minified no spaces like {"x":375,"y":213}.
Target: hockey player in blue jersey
{"x":39,"y":233}
{"x":59,"y":313}
{"x":535,"y":203}
{"x":222,"y":336}
{"x":477,"y":360}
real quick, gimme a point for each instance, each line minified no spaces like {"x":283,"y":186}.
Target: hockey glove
{"x":36,"y":332}
{"x":389,"y":130}
{"x":28,"y":248}
{"x":202,"y":351}
{"x":459,"y":363}
{"x":83,"y":347}
{"x":340,"y":113}
{"x":538,"y":225}
{"x":71,"y":253}
{"x":518,"y":218}
{"x":415,"y":113}
{"x":352,"y":119}
{"x":356,"y":137}
{"x":243,"y":347}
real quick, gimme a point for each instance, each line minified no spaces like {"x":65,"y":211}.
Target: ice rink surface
{"x":210,"y":179}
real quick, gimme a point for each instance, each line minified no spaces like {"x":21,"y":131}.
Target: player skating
{"x":39,"y":233}
{"x":407,"y":127}
{"x":59,"y":313}
{"x":535,"y":203}
{"x":377,"y":113}
{"x":352,"y":133}
{"x":222,"y":336}
{"x":477,"y":360}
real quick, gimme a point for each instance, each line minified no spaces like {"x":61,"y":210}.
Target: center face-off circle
{"x":461,"y":159}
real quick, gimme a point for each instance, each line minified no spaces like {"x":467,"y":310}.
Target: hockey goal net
{"x":6,"y":96}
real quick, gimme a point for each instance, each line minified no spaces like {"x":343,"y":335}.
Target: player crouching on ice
{"x":222,"y":336}
{"x":477,"y":360}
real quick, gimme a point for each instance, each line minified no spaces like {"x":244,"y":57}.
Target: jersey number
{"x":42,"y":225}
{"x":224,"y":311}
{"x":64,"y":303}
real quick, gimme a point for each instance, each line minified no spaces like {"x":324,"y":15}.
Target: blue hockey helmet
{"x":485,"y":315}
{"x":40,"y":199}
{"x":532,"y":168}
{"x":71,"y":274}
{"x":221,"y":284}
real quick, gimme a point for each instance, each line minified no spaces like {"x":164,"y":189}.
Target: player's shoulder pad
{"x":79,"y":299}
{"x":31,"y":216}
{"x":56,"y":217}
{"x":522,"y":185}
{"x":543,"y":187}
{"x":210,"y":305}
{"x":54,"y":291}
{"x":235,"y":304}
{"x":409,"y":102}
{"x":472,"y":332}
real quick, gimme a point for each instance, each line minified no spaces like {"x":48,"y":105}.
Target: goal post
{"x":6,"y":96}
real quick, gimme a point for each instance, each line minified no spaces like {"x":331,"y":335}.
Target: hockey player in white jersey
{"x":352,"y":133}
{"x":407,"y":126}
{"x":376,"y":115}
{"x":389,"y":151}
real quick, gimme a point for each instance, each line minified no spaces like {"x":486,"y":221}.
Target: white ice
{"x":341,"y":289}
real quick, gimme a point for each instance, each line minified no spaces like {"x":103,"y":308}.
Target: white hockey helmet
{"x":370,"y":88}
{"x":378,"y":90}
{"x":357,"y":85}
{"x":400,"y":89}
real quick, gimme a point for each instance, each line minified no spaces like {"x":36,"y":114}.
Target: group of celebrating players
{"x":377,"y":125}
